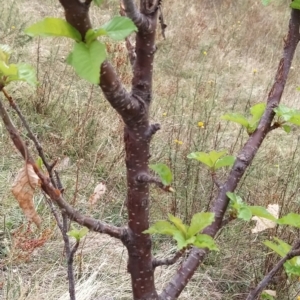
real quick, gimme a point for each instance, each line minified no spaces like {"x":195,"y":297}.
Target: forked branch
{"x":50,"y":190}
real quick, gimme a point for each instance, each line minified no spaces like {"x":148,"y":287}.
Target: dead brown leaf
{"x":98,"y":192}
{"x":23,"y":189}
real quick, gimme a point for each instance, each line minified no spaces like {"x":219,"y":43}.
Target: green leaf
{"x":27,"y":73}
{"x":199,"y":222}
{"x":87,"y":59}
{"x":53,"y":27}
{"x":236,"y":201}
{"x":214,"y":155}
{"x":292,"y":266}
{"x":244,"y":213}
{"x":78,"y":234}
{"x":225,"y":162}
{"x":205,"y":241}
{"x":162,"y":227}
{"x":266,"y":2}
{"x":284,"y":112}
{"x":258,"y":110}
{"x":119,"y":28}
{"x":280,"y":248}
{"x":261,"y":212}
{"x":181,"y":240}
{"x":295,"y":119}
{"x":8,"y":70}
{"x":39,"y":162}
{"x":178,"y":223}
{"x":295,"y":4}
{"x":237,"y":118}
{"x":5,"y":53}
{"x":202,"y":157}
{"x":98,"y":2}
{"x":266,"y":296}
{"x":92,"y":34}
{"x":164,"y":173}
{"x":291,"y":219}
{"x":286,"y":128}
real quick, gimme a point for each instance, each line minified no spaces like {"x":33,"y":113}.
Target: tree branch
{"x":259,"y":288}
{"x":140,"y":20}
{"x":50,"y":190}
{"x":168,"y":261}
{"x":244,"y":159}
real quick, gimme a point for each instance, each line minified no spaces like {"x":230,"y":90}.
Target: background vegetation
{"x":217,"y":56}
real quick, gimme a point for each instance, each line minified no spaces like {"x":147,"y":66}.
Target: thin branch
{"x":244,"y":159}
{"x":37,"y":144}
{"x":265,"y":281}
{"x":168,"y":261}
{"x":70,"y":256}
{"x":146,"y":178}
{"x":54,"y":193}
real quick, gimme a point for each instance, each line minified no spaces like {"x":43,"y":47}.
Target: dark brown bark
{"x":133,"y":107}
{"x":244,"y":159}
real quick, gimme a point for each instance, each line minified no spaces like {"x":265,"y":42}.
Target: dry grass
{"x":218,"y":56}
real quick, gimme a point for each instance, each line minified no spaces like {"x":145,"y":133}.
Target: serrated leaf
{"x":78,"y":234}
{"x":162,"y":227}
{"x":286,"y":128}
{"x":199,"y":222}
{"x":244,"y":213}
{"x":281,"y":248}
{"x":236,"y":202}
{"x":181,"y":240}
{"x":119,"y":28}
{"x":178,"y":223}
{"x":214,"y":155}
{"x":225,"y":161}
{"x":237,"y":118}
{"x":53,"y":27}
{"x":92,"y":34}
{"x":87,"y":60}
{"x":262,"y":212}
{"x":202,"y":157}
{"x":205,"y":241}
{"x":284,"y":112}
{"x":291,"y":219}
{"x":292,"y":266}
{"x":164,"y":172}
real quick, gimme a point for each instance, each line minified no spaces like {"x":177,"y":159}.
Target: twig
{"x":259,"y":288}
{"x":216,"y":181}
{"x":70,"y":255}
{"x":168,"y":261}
{"x":150,"y":179}
{"x":54,"y":193}
{"x":37,"y":144}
